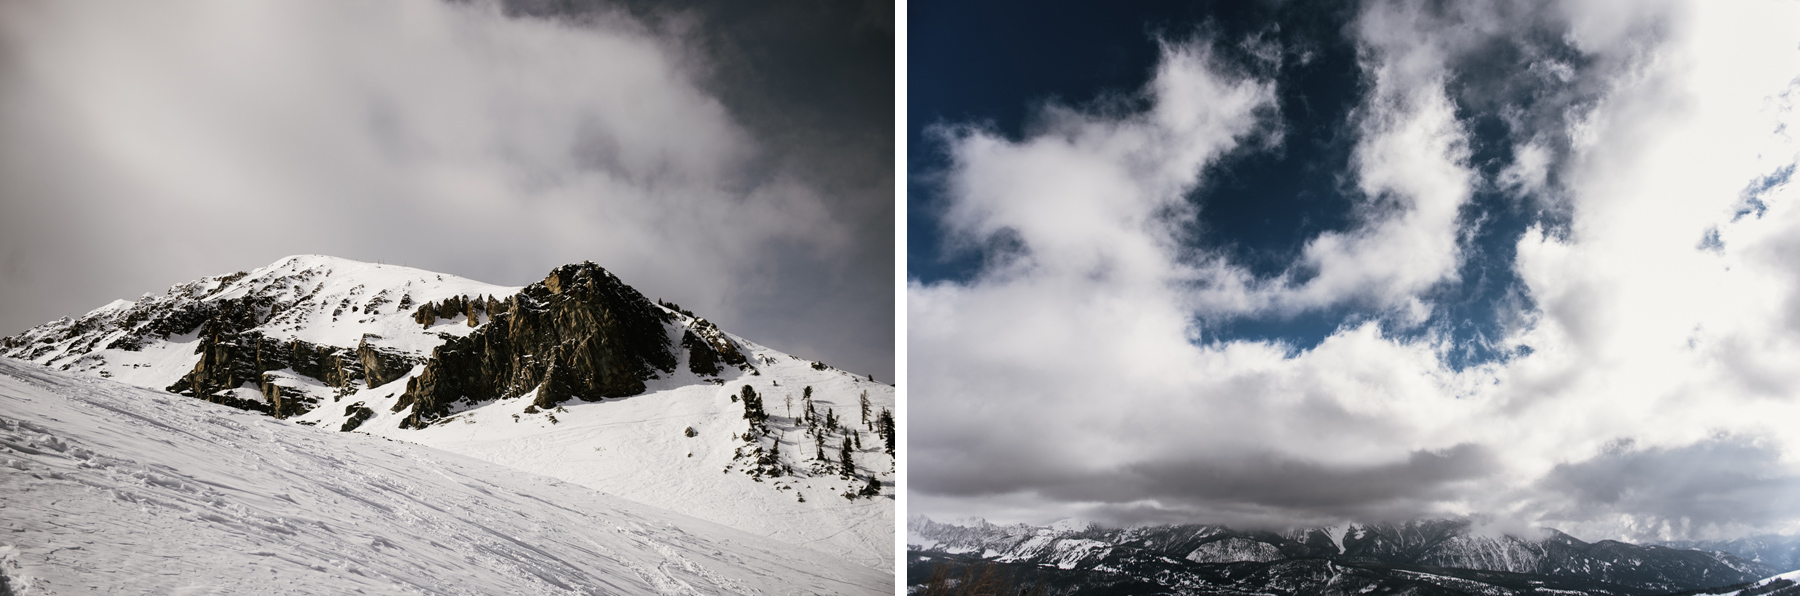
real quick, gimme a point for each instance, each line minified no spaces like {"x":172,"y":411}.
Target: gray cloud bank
{"x":1654,"y":376}
{"x":679,"y":146}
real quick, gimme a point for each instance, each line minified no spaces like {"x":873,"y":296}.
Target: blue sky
{"x":1474,"y":251}
{"x":983,"y":66}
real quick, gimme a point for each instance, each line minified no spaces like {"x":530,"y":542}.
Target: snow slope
{"x":1786,"y":584}
{"x":110,"y":488}
{"x":635,"y":447}
{"x":638,"y":448}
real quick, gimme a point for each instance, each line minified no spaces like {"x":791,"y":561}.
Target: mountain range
{"x":1445,"y":556}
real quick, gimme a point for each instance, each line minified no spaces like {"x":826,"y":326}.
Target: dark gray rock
{"x":580,"y":333}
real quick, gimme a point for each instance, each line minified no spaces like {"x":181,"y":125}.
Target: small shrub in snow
{"x":873,"y":489}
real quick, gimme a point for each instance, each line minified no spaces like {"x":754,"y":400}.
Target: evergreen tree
{"x":806,"y":401}
{"x":831,"y":422}
{"x":772,"y":457}
{"x":865,"y":408}
{"x":844,"y":455}
{"x":887,"y":429}
{"x":753,"y":406}
{"x":858,"y":436}
{"x":819,"y":446}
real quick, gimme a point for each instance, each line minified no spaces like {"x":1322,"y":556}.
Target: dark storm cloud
{"x":1283,"y":482}
{"x":813,"y":81}
{"x":1255,"y":489}
{"x":1725,"y":483}
{"x":734,"y":161}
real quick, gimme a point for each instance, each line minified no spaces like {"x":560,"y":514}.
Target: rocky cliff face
{"x":233,"y":354}
{"x":580,"y":333}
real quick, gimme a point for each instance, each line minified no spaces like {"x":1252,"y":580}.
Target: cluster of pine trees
{"x":767,"y":462}
{"x":826,"y":431}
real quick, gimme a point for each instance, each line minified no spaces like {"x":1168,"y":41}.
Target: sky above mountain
{"x":1297,"y":263}
{"x":734,"y":160}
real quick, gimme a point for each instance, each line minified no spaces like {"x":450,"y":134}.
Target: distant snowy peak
{"x":1069,"y":525}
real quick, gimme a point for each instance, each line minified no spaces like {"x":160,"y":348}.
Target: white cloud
{"x":222,"y":135}
{"x":1066,"y":382}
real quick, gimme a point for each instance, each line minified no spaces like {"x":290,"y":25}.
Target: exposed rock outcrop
{"x":471,"y":307}
{"x":358,"y":414}
{"x":708,"y":348}
{"x":229,"y":360}
{"x":381,"y":366}
{"x":232,"y":354}
{"x":580,"y":333}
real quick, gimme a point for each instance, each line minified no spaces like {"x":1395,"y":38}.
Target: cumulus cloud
{"x":1069,"y":378}
{"x":150,"y":144}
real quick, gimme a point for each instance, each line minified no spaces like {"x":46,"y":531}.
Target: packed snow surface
{"x":639,"y":448}
{"x":109,"y":488}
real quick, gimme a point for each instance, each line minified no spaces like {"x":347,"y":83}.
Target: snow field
{"x":107,"y":488}
{"x":637,"y":448}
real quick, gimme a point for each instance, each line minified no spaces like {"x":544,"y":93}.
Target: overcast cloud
{"x":1651,"y":374}
{"x":142,"y":145}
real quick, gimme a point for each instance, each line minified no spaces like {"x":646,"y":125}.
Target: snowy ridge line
{"x":112,"y":487}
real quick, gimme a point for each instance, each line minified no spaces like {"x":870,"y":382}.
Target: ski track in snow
{"x":636,"y":448}
{"x":108,"y":488}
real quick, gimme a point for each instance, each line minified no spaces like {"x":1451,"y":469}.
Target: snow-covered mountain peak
{"x":339,"y":302}
{"x":966,"y":522}
{"x":578,"y":377}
